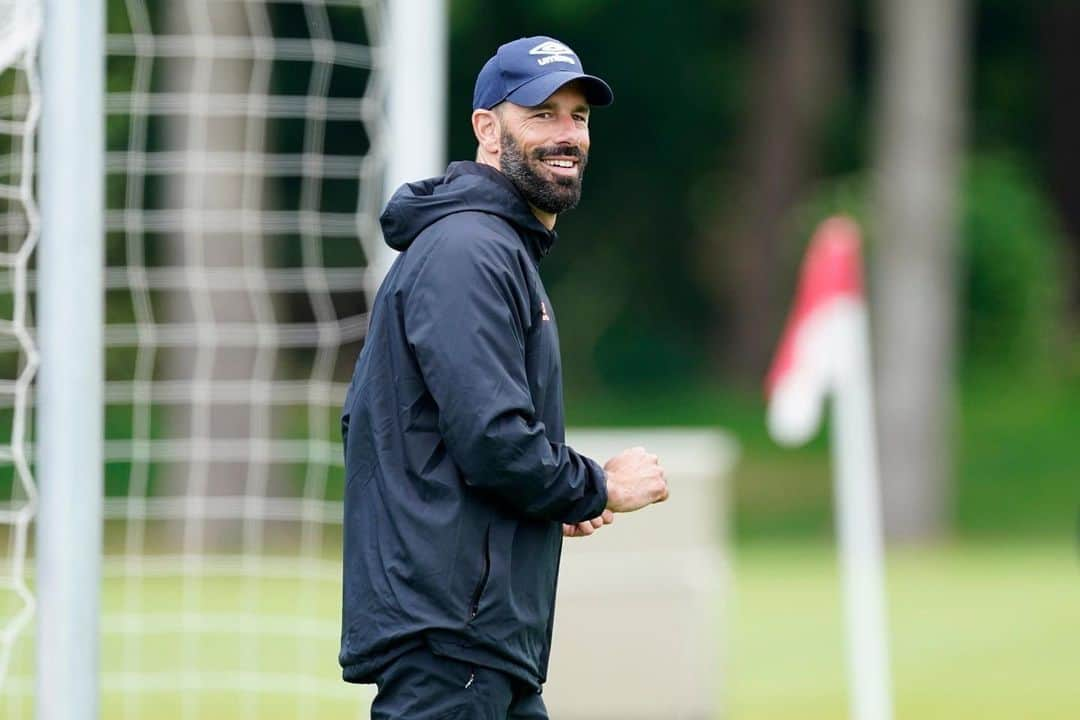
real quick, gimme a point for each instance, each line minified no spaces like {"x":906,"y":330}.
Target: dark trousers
{"x":422,"y":686}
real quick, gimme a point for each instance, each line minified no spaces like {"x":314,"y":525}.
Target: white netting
{"x":243,"y":180}
{"x":19,"y":107}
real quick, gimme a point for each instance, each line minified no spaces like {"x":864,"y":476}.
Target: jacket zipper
{"x":474,"y":608}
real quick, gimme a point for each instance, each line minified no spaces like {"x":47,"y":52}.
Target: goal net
{"x":243,"y":175}
{"x":19,"y":108}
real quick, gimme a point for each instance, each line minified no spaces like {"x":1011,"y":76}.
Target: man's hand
{"x":588,"y":527}
{"x":634,"y":480}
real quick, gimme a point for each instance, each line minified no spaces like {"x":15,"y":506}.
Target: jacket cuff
{"x":592,"y":507}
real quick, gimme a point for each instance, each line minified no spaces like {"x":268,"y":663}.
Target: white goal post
{"x":71,"y":376}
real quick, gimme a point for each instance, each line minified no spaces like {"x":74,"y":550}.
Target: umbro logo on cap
{"x":553,"y":52}
{"x":551,"y":48}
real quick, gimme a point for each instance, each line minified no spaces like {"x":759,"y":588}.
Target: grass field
{"x":978,"y":631}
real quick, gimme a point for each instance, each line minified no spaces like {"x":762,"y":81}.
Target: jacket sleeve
{"x":466,"y":317}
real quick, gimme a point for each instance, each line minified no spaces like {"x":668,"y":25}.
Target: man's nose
{"x":569,"y":131}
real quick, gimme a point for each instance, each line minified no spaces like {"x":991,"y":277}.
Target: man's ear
{"x":485,"y":124}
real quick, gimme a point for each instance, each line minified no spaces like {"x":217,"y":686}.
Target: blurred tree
{"x":921,"y":108}
{"x":1060,"y":30}
{"x":796,"y":64}
{"x":1009,"y":288}
{"x":1011,"y":256}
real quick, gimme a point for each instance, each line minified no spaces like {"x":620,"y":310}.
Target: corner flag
{"x":814,"y":350}
{"x":824,"y":352}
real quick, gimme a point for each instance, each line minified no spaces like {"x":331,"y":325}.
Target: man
{"x":459,"y":483}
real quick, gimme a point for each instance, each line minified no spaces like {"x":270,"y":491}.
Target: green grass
{"x":978,"y":631}
{"x":226,"y":645}
{"x":1018,"y":469}
{"x":988,"y":631}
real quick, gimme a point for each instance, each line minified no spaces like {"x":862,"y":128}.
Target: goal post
{"x":417,"y":136}
{"x":70,"y":298}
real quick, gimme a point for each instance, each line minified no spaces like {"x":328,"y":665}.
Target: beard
{"x":555,"y":195}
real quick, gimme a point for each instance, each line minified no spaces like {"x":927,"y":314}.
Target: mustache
{"x":558,"y":150}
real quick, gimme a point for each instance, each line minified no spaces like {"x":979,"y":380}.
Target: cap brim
{"x":536,"y":91}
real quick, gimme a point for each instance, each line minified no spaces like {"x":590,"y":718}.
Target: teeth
{"x":560,"y":163}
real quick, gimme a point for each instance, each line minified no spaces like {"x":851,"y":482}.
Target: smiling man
{"x":459,"y":483}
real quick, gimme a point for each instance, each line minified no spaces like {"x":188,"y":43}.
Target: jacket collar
{"x":539,"y":239}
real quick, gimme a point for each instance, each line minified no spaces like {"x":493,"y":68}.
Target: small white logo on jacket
{"x":553,"y":52}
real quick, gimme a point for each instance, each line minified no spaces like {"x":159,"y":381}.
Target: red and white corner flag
{"x":824,"y":352}
{"x":814,"y":352}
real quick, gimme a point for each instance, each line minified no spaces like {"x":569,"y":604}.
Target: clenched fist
{"x":588,"y":527}
{"x":634,"y":479}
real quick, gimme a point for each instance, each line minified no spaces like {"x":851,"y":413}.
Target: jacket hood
{"x":466,"y":186}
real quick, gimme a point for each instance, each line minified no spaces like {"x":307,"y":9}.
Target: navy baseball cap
{"x":528,"y":71}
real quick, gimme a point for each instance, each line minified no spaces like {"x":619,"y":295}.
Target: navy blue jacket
{"x":457,"y":473}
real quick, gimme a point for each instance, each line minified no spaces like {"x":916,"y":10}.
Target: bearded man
{"x":459,"y":484}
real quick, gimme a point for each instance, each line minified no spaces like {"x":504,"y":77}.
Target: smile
{"x":562,"y":165}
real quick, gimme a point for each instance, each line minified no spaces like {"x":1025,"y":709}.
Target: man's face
{"x":544,"y":149}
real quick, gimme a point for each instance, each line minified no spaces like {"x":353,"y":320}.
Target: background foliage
{"x":644,"y":321}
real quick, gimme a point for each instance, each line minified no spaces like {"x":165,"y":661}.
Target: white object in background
{"x":20,"y":29}
{"x":825,"y":351}
{"x":639,"y":619}
{"x":417,"y":68}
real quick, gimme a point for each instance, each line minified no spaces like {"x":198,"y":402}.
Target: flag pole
{"x":826,"y":350}
{"x":858,"y":515}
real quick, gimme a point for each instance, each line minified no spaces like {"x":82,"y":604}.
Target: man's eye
{"x":543,"y":115}
{"x":581,"y":118}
